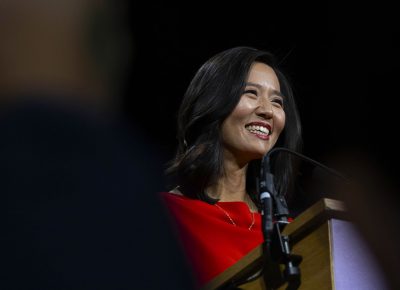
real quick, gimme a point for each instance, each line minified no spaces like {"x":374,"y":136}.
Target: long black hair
{"x":211,"y":96}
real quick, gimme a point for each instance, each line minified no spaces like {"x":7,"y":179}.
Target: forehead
{"x":263,"y":75}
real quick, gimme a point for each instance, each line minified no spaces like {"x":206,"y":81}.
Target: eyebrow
{"x":260,"y":87}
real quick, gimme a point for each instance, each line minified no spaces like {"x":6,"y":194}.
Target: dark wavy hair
{"x":211,"y":96}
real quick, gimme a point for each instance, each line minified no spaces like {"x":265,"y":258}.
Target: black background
{"x":342,"y":61}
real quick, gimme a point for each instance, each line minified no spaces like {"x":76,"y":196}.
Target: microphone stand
{"x":276,"y":246}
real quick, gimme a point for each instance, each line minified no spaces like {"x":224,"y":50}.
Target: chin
{"x":261,"y":152}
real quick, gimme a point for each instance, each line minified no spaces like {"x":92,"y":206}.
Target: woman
{"x":236,"y":108}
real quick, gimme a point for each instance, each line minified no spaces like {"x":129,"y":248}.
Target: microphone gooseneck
{"x":266,"y":161}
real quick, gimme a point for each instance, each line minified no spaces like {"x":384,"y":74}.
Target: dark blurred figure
{"x":77,"y":184}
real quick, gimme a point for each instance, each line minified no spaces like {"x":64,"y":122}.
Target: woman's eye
{"x":278,"y":102}
{"x":251,"y":92}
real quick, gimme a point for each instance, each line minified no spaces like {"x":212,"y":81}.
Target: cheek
{"x":233,"y":125}
{"x":279,"y":122}
{"x":237,"y":119}
{"x":228,"y":130}
{"x":242,"y":109}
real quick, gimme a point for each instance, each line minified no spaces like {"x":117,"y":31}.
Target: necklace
{"x":232,"y":221}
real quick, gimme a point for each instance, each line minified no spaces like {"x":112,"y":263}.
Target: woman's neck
{"x":231,"y":186}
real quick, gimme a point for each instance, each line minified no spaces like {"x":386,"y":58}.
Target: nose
{"x":265,"y":109}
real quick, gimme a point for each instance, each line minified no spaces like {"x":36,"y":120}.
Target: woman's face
{"x":253,"y":127}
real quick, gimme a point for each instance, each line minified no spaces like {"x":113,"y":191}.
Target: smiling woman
{"x":254,"y":125}
{"x":237,"y":107}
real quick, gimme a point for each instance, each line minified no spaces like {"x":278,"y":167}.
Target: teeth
{"x":258,"y":129}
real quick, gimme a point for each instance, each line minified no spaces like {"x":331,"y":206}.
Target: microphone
{"x":267,"y":192}
{"x":275,"y":214}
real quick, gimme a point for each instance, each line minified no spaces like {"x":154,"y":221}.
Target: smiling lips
{"x":260,"y":130}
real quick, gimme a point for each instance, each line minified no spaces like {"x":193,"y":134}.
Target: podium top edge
{"x":319,"y":212}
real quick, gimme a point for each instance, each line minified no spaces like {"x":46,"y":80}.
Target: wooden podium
{"x":334,"y":255}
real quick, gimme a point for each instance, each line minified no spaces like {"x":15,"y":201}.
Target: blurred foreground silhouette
{"x":77,"y":184}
